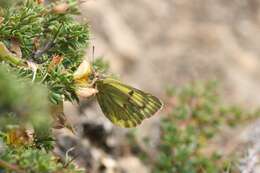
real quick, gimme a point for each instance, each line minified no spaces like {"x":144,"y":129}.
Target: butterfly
{"x":123,"y":105}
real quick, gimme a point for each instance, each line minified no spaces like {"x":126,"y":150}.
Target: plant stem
{"x":47,"y":46}
{"x":6,"y":55}
{"x":8,"y":166}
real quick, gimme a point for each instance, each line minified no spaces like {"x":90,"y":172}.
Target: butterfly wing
{"x":124,"y":105}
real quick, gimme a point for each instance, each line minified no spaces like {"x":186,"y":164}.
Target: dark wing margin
{"x":125,"y":106}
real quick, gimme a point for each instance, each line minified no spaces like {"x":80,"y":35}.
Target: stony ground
{"x":154,"y":44}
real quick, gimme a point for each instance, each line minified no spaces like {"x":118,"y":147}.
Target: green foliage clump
{"x":26,"y":105}
{"x":34,"y":160}
{"x":7,"y":4}
{"x":22,"y":102}
{"x":40,"y":48}
{"x":195,"y":116}
{"x":42,"y":34}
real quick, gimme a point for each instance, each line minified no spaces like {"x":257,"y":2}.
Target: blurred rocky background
{"x":160,"y":43}
{"x":165,"y":42}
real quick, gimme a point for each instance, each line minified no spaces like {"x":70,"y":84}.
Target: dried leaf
{"x":20,"y":137}
{"x":16,"y":48}
{"x":37,"y":43}
{"x":61,"y":8}
{"x":1,"y":20}
{"x":86,"y":92}
{"x":40,"y":1}
{"x":56,"y":60}
{"x":8,"y":56}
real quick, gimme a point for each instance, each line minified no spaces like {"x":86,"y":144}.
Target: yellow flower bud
{"x":81,"y":75}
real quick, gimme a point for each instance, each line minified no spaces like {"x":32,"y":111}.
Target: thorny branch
{"x":46,"y":47}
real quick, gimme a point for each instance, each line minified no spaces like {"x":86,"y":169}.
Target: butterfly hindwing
{"x":125,"y":106}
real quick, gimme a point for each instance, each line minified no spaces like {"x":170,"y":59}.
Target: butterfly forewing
{"x":125,"y":106}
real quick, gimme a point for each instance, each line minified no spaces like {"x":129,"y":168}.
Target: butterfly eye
{"x":91,"y":76}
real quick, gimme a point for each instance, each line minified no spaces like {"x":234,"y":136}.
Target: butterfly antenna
{"x":93,"y":60}
{"x":93,"y":54}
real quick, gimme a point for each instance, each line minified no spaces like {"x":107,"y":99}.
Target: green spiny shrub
{"x":40,"y":49}
{"x":196,"y":116}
